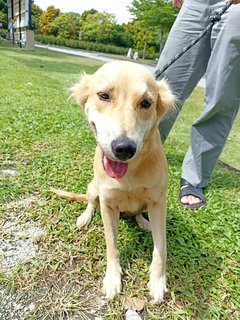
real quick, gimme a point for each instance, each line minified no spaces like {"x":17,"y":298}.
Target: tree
{"x":3,"y":14}
{"x":96,"y":26}
{"x":86,"y":13}
{"x":140,"y":34}
{"x":3,"y":6}
{"x":68,"y":25}
{"x":156,"y":15}
{"x":102,"y":27}
{"x":47,"y":24}
{"x":36,"y":12}
{"x":120,"y":36}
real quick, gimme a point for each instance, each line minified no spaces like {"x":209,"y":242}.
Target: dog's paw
{"x":112,"y":285}
{"x":157,"y":288}
{"x":84,"y":219}
{"x":142,"y":222}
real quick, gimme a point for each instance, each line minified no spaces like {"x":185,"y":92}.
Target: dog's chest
{"x":129,"y":203}
{"x":132,"y":206}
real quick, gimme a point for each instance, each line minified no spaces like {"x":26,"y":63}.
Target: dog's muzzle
{"x":123,"y":148}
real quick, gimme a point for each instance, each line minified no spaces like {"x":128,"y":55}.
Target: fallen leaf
{"x":134,"y":304}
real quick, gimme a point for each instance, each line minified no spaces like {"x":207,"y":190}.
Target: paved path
{"x":97,"y":56}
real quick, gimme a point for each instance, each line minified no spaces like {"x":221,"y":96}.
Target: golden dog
{"x":123,"y":104}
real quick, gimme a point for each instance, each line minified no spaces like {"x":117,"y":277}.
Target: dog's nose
{"x":123,"y":148}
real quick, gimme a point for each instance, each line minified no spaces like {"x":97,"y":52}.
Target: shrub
{"x":3,"y":33}
{"x":90,"y":46}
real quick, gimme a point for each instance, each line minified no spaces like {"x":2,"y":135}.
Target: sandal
{"x":191,"y":190}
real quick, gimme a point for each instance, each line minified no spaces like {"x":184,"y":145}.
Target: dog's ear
{"x":166,"y":99}
{"x":80,"y":91}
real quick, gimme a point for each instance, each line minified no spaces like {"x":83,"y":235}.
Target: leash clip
{"x":215,"y":17}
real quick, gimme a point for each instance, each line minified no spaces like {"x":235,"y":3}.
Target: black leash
{"x":215,"y":17}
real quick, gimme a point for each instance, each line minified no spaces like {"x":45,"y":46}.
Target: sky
{"x":119,"y":7}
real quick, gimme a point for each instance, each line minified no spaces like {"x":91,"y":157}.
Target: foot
{"x":86,"y":216}
{"x":112,"y":283}
{"x":157,"y":288}
{"x":190,"y":196}
{"x":142,"y":222}
{"x":189,"y":199}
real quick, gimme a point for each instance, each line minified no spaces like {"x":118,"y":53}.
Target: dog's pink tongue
{"x":115,"y":169}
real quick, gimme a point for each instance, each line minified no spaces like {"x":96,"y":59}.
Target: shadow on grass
{"x":223,"y":176}
{"x":55,"y":66}
{"x":194,"y":269}
{"x":202,"y":252}
{"x":52,"y":62}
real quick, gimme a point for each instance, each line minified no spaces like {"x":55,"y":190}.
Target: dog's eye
{"x":103,"y":96}
{"x":145,"y":104}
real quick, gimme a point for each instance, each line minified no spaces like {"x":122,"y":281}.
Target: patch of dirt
{"x":17,"y":243}
{"x":9,"y":171}
{"x":14,"y":307}
{"x":54,"y":297}
{"x":7,"y":168}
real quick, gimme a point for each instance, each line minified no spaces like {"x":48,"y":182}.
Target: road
{"x":97,"y":56}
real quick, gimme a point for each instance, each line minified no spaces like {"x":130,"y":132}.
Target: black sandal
{"x":191,"y":190}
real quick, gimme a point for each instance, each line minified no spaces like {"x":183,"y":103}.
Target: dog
{"x":123,"y":104}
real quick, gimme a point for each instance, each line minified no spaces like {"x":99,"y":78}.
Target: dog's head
{"x":123,"y":102}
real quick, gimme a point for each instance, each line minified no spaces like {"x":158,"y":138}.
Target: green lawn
{"x":45,"y":138}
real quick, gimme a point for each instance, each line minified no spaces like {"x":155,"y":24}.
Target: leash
{"x":215,"y":17}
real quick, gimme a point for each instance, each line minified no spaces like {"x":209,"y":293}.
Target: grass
{"x":46,"y":139}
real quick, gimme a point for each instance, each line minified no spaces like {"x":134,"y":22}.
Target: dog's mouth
{"x":114,"y":169}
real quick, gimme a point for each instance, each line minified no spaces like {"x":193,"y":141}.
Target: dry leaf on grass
{"x":134,"y":303}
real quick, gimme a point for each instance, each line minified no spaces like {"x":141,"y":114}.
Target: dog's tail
{"x":70,"y":195}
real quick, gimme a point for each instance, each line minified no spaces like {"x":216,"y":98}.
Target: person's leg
{"x":185,"y":73}
{"x":210,"y":131}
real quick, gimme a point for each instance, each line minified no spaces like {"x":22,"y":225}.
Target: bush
{"x":3,"y":33}
{"x":91,"y":46}
{"x":84,"y":45}
{"x":148,"y":55}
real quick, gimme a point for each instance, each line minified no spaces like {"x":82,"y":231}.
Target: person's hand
{"x":178,"y":3}
{"x":235,"y":2}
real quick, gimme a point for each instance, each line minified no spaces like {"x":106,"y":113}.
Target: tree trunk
{"x":161,"y":41}
{"x":144,"y":49}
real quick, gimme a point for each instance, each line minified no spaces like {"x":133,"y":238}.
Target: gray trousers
{"x":218,"y":56}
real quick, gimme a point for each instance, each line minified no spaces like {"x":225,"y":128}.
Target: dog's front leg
{"x":157,"y":218}
{"x":112,"y":279}
{"x":86,"y":216}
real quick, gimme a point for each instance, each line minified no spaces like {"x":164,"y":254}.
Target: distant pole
{"x":30,"y":15}
{"x":20,"y":20}
{"x":144,"y":49}
{"x":12,"y":22}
